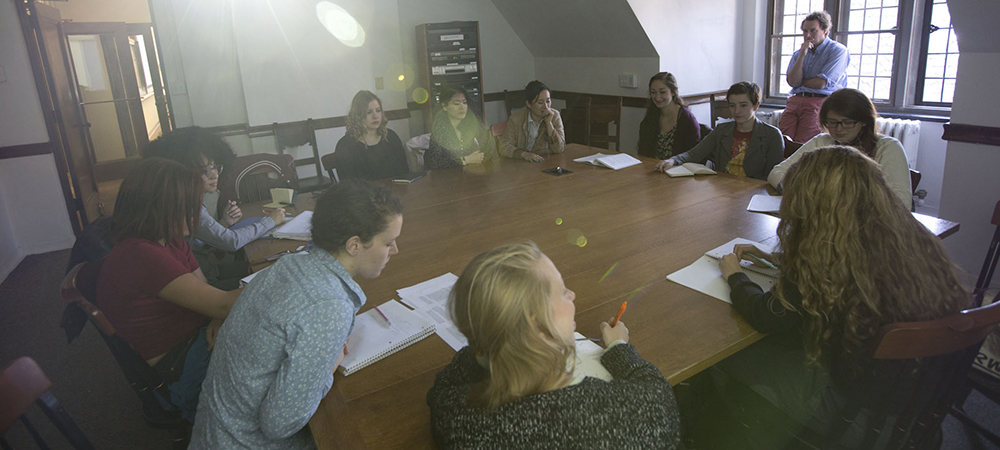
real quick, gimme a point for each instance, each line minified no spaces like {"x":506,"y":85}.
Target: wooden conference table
{"x":643,"y":223}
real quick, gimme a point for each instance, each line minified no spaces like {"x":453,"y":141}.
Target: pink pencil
{"x":379,"y":311}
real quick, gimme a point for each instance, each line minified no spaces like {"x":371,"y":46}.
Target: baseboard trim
{"x":8,"y":265}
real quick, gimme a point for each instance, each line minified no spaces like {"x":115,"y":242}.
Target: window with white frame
{"x":903,"y":53}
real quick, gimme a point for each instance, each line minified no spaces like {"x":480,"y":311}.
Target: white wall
{"x":698,"y":41}
{"x":33,"y":216}
{"x":930,"y":164}
{"x":128,"y":11}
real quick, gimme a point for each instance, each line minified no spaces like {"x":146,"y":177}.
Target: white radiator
{"x":906,"y":131}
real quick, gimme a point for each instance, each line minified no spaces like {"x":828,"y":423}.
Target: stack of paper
{"x":430,"y":299}
{"x":764,"y":203}
{"x":614,"y":162}
{"x":704,"y":275}
{"x":299,"y":228}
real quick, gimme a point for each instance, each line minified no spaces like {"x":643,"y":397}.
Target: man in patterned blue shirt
{"x":276,"y":353}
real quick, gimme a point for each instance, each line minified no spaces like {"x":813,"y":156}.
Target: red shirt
{"x":133,"y":275}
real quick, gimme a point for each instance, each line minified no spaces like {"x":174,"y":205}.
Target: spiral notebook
{"x":704,"y":275}
{"x":374,"y":339}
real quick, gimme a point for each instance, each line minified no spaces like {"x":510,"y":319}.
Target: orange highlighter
{"x":618,"y":316}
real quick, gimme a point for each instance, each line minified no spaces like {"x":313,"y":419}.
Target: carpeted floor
{"x":90,"y":386}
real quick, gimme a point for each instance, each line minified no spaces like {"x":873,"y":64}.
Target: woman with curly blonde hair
{"x":369,"y":150}
{"x":513,"y":385}
{"x":852,"y":259}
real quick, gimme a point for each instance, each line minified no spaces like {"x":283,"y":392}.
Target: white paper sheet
{"x":430,"y":299}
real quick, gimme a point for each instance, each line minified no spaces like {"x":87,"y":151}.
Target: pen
{"x":621,"y":310}
{"x":760,"y":260}
{"x":379,"y":311}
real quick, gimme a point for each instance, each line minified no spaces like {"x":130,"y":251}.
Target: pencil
{"x":379,"y":311}
{"x":621,"y":310}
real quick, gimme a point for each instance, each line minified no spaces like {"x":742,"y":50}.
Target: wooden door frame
{"x":37,"y":56}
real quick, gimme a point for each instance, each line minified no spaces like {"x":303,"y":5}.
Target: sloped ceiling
{"x":577,"y":28}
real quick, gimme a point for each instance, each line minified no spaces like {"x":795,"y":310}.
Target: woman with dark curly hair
{"x":852,"y":259}
{"x":369,"y":150}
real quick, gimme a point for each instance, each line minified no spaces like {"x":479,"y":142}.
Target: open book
{"x":615,"y":161}
{"x":373,"y":338}
{"x":689,"y":170}
{"x":704,"y":275}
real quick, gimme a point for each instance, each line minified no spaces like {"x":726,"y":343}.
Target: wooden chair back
{"x":576,"y":119}
{"x":791,"y":146}
{"x":23,"y":383}
{"x":255,"y":175}
{"x":720,"y":109}
{"x":297,"y":134}
{"x":330,"y":165}
{"x":915,"y":378}
{"x":79,"y":288}
{"x":603,"y":112}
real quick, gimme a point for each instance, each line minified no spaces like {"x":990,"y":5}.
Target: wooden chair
{"x":603,"y":112}
{"x":79,"y":288}
{"x":986,"y":385}
{"x":915,"y":378}
{"x":23,"y":383}
{"x":791,"y":146}
{"x":297,"y":134}
{"x":497,"y":130}
{"x":254,"y":176}
{"x":720,"y":109}
{"x":330,"y":166}
{"x":512,"y":100}
{"x":576,"y":119}
{"x":914,"y":181}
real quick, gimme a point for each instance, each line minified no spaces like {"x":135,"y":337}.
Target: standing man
{"x":536,"y":130}
{"x":816,"y":70}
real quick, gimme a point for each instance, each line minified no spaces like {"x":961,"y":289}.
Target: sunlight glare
{"x":340,"y":24}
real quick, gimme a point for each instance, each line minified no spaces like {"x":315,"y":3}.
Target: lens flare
{"x":558,"y":221}
{"x":576,"y":237}
{"x":399,"y":77}
{"x":608,"y":273}
{"x":420,"y":95}
{"x":340,"y":24}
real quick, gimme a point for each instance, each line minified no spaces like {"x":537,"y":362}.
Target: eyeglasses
{"x":843,"y":124}
{"x":207,"y":170}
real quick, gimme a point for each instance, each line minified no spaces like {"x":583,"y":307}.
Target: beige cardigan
{"x":515,"y":136}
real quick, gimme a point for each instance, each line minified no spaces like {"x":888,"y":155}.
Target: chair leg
{"x":34,"y":433}
{"x":63,"y":422}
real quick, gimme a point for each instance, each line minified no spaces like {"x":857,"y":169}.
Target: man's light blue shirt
{"x":829,"y":62}
{"x":274,"y":358}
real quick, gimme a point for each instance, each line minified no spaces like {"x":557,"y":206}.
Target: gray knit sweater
{"x":636,"y":410}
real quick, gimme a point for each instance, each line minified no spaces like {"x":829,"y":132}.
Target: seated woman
{"x":369,"y":150}
{"x":206,"y":153}
{"x":849,"y":118}
{"x":746,"y":146}
{"x":458,"y":138}
{"x":513,"y":386}
{"x":536,"y":130}
{"x":275,"y":357}
{"x":669,"y":128}
{"x":151,"y":288}
{"x":853,"y":259}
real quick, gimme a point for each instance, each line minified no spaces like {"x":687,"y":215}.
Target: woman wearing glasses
{"x":849,"y":118}
{"x":207,"y":154}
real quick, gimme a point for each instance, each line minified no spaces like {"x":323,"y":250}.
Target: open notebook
{"x":298,"y":228}
{"x":588,"y":359}
{"x":614,"y":161}
{"x":373,"y":339}
{"x":689,"y":170}
{"x":704,"y":275}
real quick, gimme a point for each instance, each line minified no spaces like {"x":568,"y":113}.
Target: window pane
{"x":787,"y":46}
{"x":935,"y":66}
{"x":803,"y":7}
{"x":890,"y":18}
{"x":886,"y":43}
{"x":868,"y":65}
{"x":852,"y":82}
{"x":948,"y":91}
{"x":785,"y":61}
{"x":788,"y":27}
{"x":883,"y":86}
{"x":867,"y":85}
{"x":870,"y":44}
{"x":940,"y":16}
{"x":855,"y":20}
{"x":938,"y":41}
{"x":873,"y":3}
{"x":932,"y":90}
{"x":951,"y":69}
{"x":884,"y":68}
{"x":854,"y":44}
{"x":854,"y":68}
{"x":858,"y":4}
{"x":890,"y":3}
{"x":873,"y":18}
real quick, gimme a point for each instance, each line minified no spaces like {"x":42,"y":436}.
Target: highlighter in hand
{"x":621,"y":310}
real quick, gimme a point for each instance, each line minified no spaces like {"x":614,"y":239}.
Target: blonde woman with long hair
{"x":369,"y":150}
{"x":513,"y":386}
{"x":852,"y":259}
